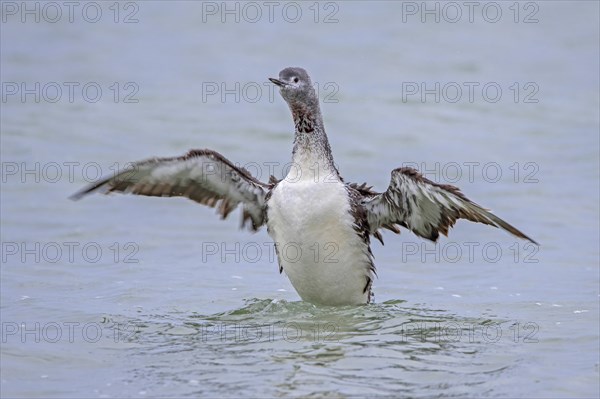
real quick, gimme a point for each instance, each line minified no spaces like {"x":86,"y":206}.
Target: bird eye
{"x":296,"y":80}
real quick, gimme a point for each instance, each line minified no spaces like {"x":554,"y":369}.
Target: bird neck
{"x":312,"y":153}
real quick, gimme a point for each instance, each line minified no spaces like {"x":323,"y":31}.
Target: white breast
{"x":319,"y":250}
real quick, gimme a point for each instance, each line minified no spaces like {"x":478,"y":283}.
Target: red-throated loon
{"x":315,"y":209}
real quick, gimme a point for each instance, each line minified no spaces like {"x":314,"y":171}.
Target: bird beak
{"x":278,"y":82}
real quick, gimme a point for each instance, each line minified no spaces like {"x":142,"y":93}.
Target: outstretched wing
{"x":425,"y":207}
{"x":203,"y":176}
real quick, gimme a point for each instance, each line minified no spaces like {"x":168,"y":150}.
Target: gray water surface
{"x":127,"y":296}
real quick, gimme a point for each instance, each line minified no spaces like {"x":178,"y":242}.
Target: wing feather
{"x":204,"y":176}
{"x":425,"y":207}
